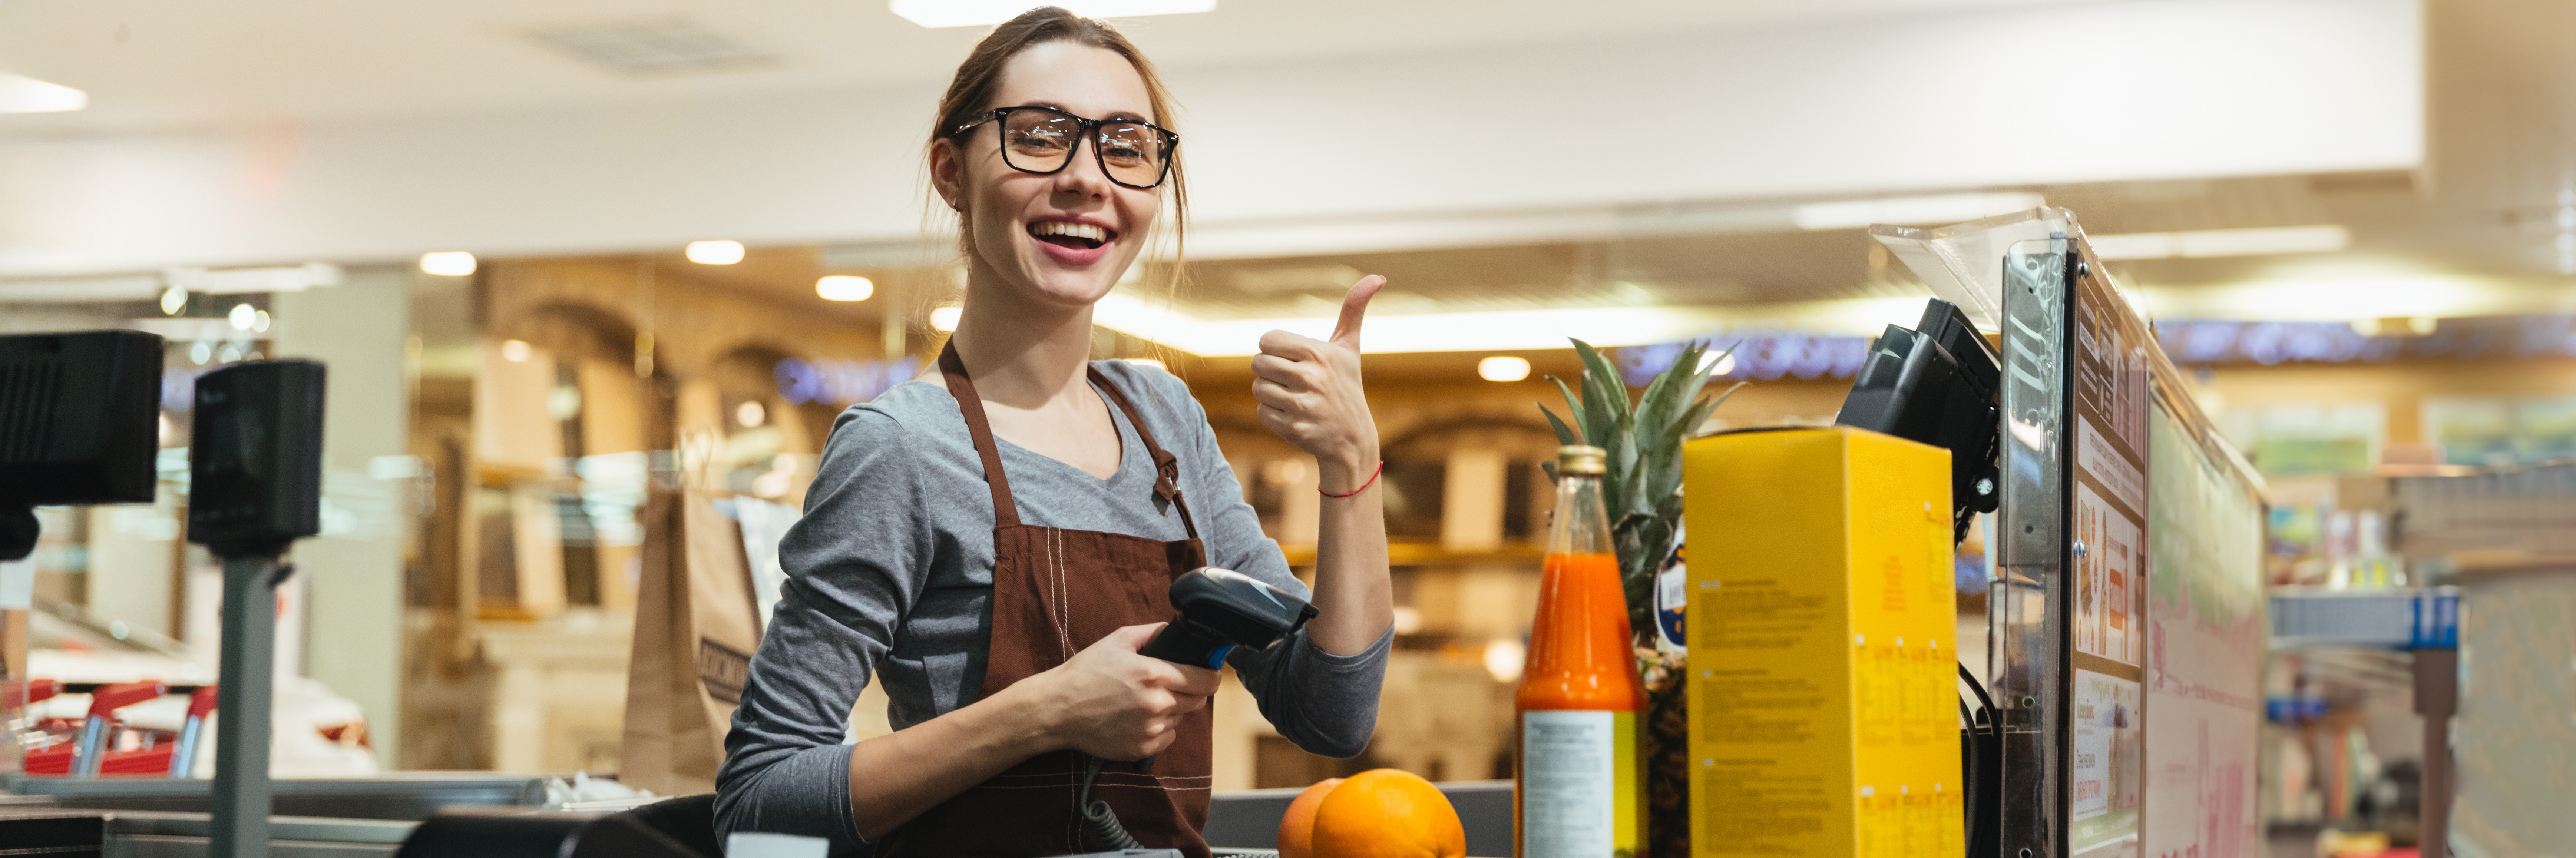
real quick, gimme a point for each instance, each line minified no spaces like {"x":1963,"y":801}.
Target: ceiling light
{"x":715,"y":252}
{"x":447,"y":263}
{"x":1513,"y":330}
{"x":259,"y":321}
{"x":749,"y":413}
{"x":22,"y":94}
{"x":980,"y":13}
{"x":2336,"y":300}
{"x":515,"y":351}
{"x":243,"y":316}
{"x":243,"y":281}
{"x":1717,"y":363}
{"x":843,"y":287}
{"x":945,"y":318}
{"x":173,"y":300}
{"x":1944,"y":208}
{"x":1503,"y":368}
{"x":2206,"y":243}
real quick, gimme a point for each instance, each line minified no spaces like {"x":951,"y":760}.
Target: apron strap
{"x":953,"y":369}
{"x":1167,"y":469}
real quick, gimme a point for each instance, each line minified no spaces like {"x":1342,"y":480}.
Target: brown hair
{"x":970,"y":94}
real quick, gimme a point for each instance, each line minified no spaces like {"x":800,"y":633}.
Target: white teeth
{"x":1066,"y":228}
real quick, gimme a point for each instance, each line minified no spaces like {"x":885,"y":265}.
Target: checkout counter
{"x":488,"y":815}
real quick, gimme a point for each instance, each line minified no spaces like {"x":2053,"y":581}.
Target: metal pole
{"x":2437,"y":698}
{"x":241,"y":735}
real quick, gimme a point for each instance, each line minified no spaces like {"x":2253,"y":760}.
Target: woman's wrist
{"x":1030,"y":722}
{"x":1345,"y":471}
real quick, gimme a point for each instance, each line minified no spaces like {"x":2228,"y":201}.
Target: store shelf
{"x":2390,"y":619}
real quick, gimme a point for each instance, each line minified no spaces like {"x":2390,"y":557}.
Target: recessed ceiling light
{"x":515,"y":351}
{"x":843,"y":287}
{"x":945,"y":318}
{"x":980,"y":13}
{"x":1503,"y":368}
{"x":715,"y":252}
{"x":23,"y":94}
{"x":1942,"y":208}
{"x":447,"y":263}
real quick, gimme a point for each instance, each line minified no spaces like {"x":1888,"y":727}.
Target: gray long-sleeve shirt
{"x":890,"y":575}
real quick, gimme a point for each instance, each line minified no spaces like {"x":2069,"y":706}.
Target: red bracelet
{"x":1372,"y":480}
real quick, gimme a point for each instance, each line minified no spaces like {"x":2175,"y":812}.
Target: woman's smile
{"x":1073,"y":241}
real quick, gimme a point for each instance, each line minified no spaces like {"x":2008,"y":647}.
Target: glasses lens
{"x":1134,"y":154}
{"x":1038,"y":140}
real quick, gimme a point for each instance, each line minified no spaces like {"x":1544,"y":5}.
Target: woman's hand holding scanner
{"x":1310,"y":392}
{"x":1106,"y":701}
{"x":1111,"y":702}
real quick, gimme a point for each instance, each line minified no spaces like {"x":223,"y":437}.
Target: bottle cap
{"x":1579,"y":459}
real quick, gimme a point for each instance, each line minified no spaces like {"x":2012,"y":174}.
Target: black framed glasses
{"x":1041,"y":140}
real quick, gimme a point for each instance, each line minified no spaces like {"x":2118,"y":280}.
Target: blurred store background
{"x":555,"y":252}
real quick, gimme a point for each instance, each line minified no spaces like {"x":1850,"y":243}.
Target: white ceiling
{"x":2501,"y":93}
{"x":150,"y":64}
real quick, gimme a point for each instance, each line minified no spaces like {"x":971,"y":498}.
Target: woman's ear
{"x":948,"y":173}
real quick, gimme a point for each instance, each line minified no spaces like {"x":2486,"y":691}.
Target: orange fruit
{"x":1385,"y":813}
{"x":1297,"y":829}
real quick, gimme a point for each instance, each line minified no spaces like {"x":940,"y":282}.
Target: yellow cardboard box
{"x":1824,"y":707}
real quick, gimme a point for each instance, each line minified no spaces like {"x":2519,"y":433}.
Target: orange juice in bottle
{"x":1579,"y":787}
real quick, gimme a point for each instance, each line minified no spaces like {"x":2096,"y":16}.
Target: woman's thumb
{"x":1346,"y":332}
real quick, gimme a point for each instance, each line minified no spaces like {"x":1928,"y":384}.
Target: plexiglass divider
{"x":2011,"y":273}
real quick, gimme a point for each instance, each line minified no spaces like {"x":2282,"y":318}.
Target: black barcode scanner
{"x":1217,"y":610}
{"x":1220,"y":609}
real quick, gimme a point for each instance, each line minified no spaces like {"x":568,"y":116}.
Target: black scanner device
{"x":1217,"y":610}
{"x":1940,"y":385}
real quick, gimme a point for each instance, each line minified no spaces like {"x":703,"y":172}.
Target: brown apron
{"x":1056,"y":591}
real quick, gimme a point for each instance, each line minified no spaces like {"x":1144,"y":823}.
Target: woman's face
{"x":1061,"y":239}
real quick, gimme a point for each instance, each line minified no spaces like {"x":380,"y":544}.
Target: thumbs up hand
{"x":1310,"y":393}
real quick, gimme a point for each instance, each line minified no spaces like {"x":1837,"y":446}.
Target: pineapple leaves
{"x":1643,"y":442}
{"x":1565,"y":435}
{"x":1574,"y":409}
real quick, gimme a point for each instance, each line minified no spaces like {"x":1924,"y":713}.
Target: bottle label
{"x":1580,"y":784}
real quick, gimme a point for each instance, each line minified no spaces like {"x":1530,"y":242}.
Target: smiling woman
{"x":1037,"y":140}
{"x":1000,"y":592}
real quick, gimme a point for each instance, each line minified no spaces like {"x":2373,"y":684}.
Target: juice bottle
{"x":1579,"y":788}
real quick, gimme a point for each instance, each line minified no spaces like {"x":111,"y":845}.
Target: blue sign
{"x":841,"y":382}
{"x":1759,"y":354}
